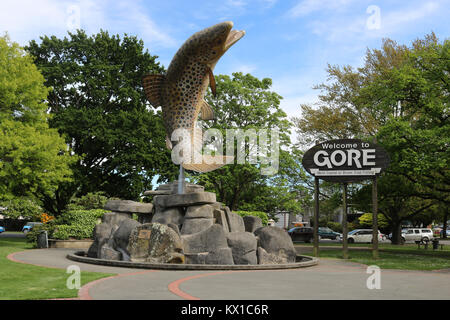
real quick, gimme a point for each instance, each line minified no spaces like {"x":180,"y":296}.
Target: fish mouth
{"x":233,"y":37}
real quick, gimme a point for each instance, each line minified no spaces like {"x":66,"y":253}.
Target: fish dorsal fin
{"x":207,"y":111}
{"x":212,"y":81}
{"x":152,"y":87}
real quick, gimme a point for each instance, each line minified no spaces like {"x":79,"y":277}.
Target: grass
{"x":406,"y":257}
{"x":26,"y":282}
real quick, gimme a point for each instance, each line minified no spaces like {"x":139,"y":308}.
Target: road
{"x":331,"y":279}
{"x":8,"y":234}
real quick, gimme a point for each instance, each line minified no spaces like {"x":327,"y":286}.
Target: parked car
{"x":305,"y":234}
{"x":327,"y":233}
{"x":437,"y":231}
{"x":2,"y":229}
{"x":363,"y":236}
{"x":29,"y":226}
{"x":418,"y":234}
{"x":446,"y":231}
{"x":389,"y":236}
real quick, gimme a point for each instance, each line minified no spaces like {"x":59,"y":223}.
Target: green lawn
{"x":20,"y":281}
{"x":406,"y":257}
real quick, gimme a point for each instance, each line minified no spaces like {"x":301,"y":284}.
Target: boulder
{"x":191,"y":226}
{"x":122,"y":235}
{"x":207,"y":240}
{"x":108,"y":253}
{"x":165,"y":244}
{"x":155,"y":243}
{"x":128,"y":206}
{"x":205,"y":211}
{"x":252,"y":223}
{"x":243,"y":246}
{"x":236,"y":223}
{"x":184,"y":200}
{"x":172,"y":188}
{"x":269,"y":258}
{"x":220,"y":256}
{"x":276,"y":241}
{"x":173,"y":215}
{"x":102,"y":233}
{"x":139,"y":242}
{"x":175,"y":228}
{"x":115,"y":218}
{"x":220,"y":218}
{"x":198,"y":218}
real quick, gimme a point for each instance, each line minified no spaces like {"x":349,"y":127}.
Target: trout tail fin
{"x":209,"y":163}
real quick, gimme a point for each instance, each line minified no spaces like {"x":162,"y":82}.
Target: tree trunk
{"x":444,"y":229}
{"x":397,"y":232}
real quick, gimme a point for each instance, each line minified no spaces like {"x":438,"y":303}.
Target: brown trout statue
{"x":180,"y":92}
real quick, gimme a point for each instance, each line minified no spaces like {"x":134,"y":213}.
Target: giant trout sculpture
{"x":180,"y":92}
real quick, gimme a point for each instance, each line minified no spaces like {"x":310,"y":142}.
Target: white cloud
{"x":343,"y":29}
{"x":245,"y":68}
{"x":402,"y":18}
{"x":28,"y":19}
{"x":305,"y":7}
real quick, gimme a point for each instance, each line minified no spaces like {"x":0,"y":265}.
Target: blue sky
{"x":290,"y":41}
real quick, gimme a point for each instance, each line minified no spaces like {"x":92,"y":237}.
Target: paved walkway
{"x":331,"y":279}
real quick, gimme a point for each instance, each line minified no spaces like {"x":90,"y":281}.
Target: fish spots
{"x":187,"y":76}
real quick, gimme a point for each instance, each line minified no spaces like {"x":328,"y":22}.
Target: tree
{"x":98,"y":103}
{"x":401,"y":97}
{"x":245,"y":102}
{"x":34,"y":159}
{"x":366,"y":220}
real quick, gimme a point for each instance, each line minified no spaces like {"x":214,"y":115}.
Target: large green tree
{"x":98,"y":103}
{"x":401,"y":97}
{"x":34,"y":159}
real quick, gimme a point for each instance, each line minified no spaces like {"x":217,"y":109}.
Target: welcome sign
{"x":345,"y":160}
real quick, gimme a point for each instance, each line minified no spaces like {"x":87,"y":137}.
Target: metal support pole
{"x":344,"y":224}
{"x":181,"y":180}
{"x":375,"y":254}
{"x":316,"y":217}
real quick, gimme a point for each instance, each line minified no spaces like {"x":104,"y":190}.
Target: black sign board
{"x":345,"y":160}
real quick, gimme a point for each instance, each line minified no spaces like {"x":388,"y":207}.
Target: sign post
{"x":316,"y":217}
{"x":344,"y":223}
{"x":346,"y":161}
{"x":375,"y":218}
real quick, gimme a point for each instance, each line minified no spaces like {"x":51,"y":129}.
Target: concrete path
{"x":331,"y":279}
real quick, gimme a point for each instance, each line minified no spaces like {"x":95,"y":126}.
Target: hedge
{"x":260,"y":214}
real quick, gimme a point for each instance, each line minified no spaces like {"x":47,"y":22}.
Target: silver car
{"x":417,"y":234}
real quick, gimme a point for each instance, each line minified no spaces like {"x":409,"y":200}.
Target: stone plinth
{"x":184,"y":200}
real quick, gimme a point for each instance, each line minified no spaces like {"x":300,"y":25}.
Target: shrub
{"x":77,"y":224}
{"x":260,"y":214}
{"x":335,"y":226}
{"x":65,"y":232}
{"x":90,"y":201}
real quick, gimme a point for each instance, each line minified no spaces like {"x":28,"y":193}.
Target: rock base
{"x":190,"y":228}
